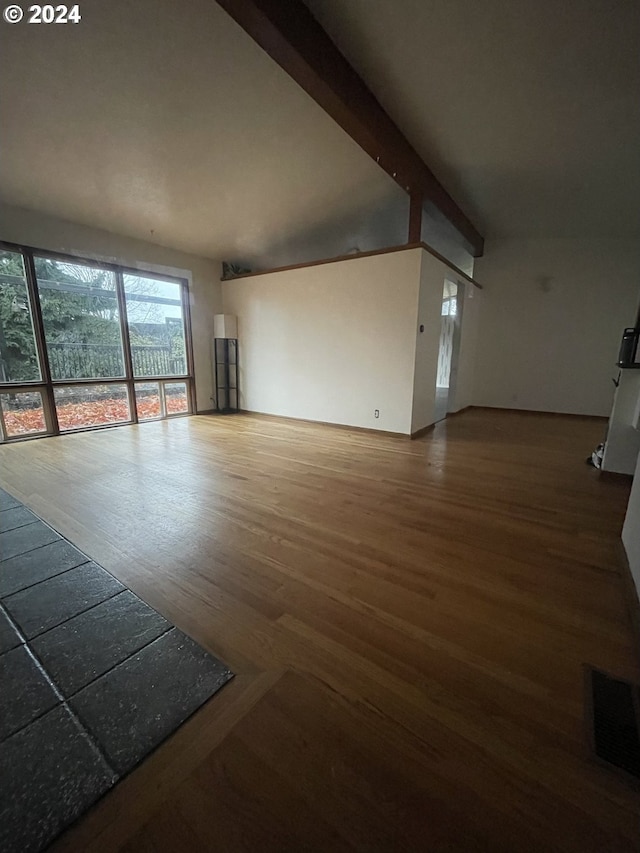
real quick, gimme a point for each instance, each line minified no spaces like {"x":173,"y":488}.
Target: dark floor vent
{"x":614,"y":708}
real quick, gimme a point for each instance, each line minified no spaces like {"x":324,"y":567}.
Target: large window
{"x":75,"y":334}
{"x":18,"y":353}
{"x":81,"y":320}
{"x":23,"y":413}
{"x":156,"y":327}
{"x":79,"y":406}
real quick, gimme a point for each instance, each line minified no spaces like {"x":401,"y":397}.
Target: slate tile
{"x":26,"y":538}
{"x":25,"y":694}
{"x":52,"y":773}
{"x":51,"y":602}
{"x":9,"y":637}
{"x":87,"y":646}
{"x":7,"y":501}
{"x":35,"y":566}
{"x":135,"y":706}
{"x":18,"y":516}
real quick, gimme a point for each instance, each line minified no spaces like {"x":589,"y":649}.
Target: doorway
{"x":447,"y":352}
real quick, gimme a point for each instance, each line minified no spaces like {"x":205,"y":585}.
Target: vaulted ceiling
{"x":165,"y":121}
{"x":527,"y":110}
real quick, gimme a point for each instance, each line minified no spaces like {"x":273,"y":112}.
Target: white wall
{"x":553,"y":312}
{"x":336,"y":341}
{"x":18,"y":225}
{"x":631,"y":529}
{"x":331,"y":342}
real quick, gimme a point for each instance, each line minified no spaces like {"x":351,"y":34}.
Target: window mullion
{"x":188,"y":342}
{"x":163,"y":400}
{"x":126,"y":345}
{"x":41,"y":346}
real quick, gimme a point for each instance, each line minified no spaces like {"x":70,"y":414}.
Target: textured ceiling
{"x":165,"y":121}
{"x":528,"y":112}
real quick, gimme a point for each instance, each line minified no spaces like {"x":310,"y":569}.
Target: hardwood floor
{"x":408,"y":622}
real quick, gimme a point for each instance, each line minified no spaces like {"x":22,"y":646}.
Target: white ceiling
{"x":164,"y":121}
{"x":527,"y":110}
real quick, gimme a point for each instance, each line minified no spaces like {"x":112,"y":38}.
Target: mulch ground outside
{"x":90,"y":413}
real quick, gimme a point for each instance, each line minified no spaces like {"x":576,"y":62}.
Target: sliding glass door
{"x":86,"y":345}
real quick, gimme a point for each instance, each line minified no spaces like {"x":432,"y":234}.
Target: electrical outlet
{"x":376,"y":413}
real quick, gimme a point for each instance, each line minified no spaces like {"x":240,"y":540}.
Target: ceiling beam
{"x":293,"y":38}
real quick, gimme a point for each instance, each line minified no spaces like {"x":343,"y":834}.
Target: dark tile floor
{"x":91,"y":680}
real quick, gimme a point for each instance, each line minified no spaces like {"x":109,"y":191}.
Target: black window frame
{"x":46,"y":384}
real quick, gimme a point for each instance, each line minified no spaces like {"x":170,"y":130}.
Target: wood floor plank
{"x":430,"y":603}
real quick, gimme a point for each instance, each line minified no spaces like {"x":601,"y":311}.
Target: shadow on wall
{"x":362,"y":230}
